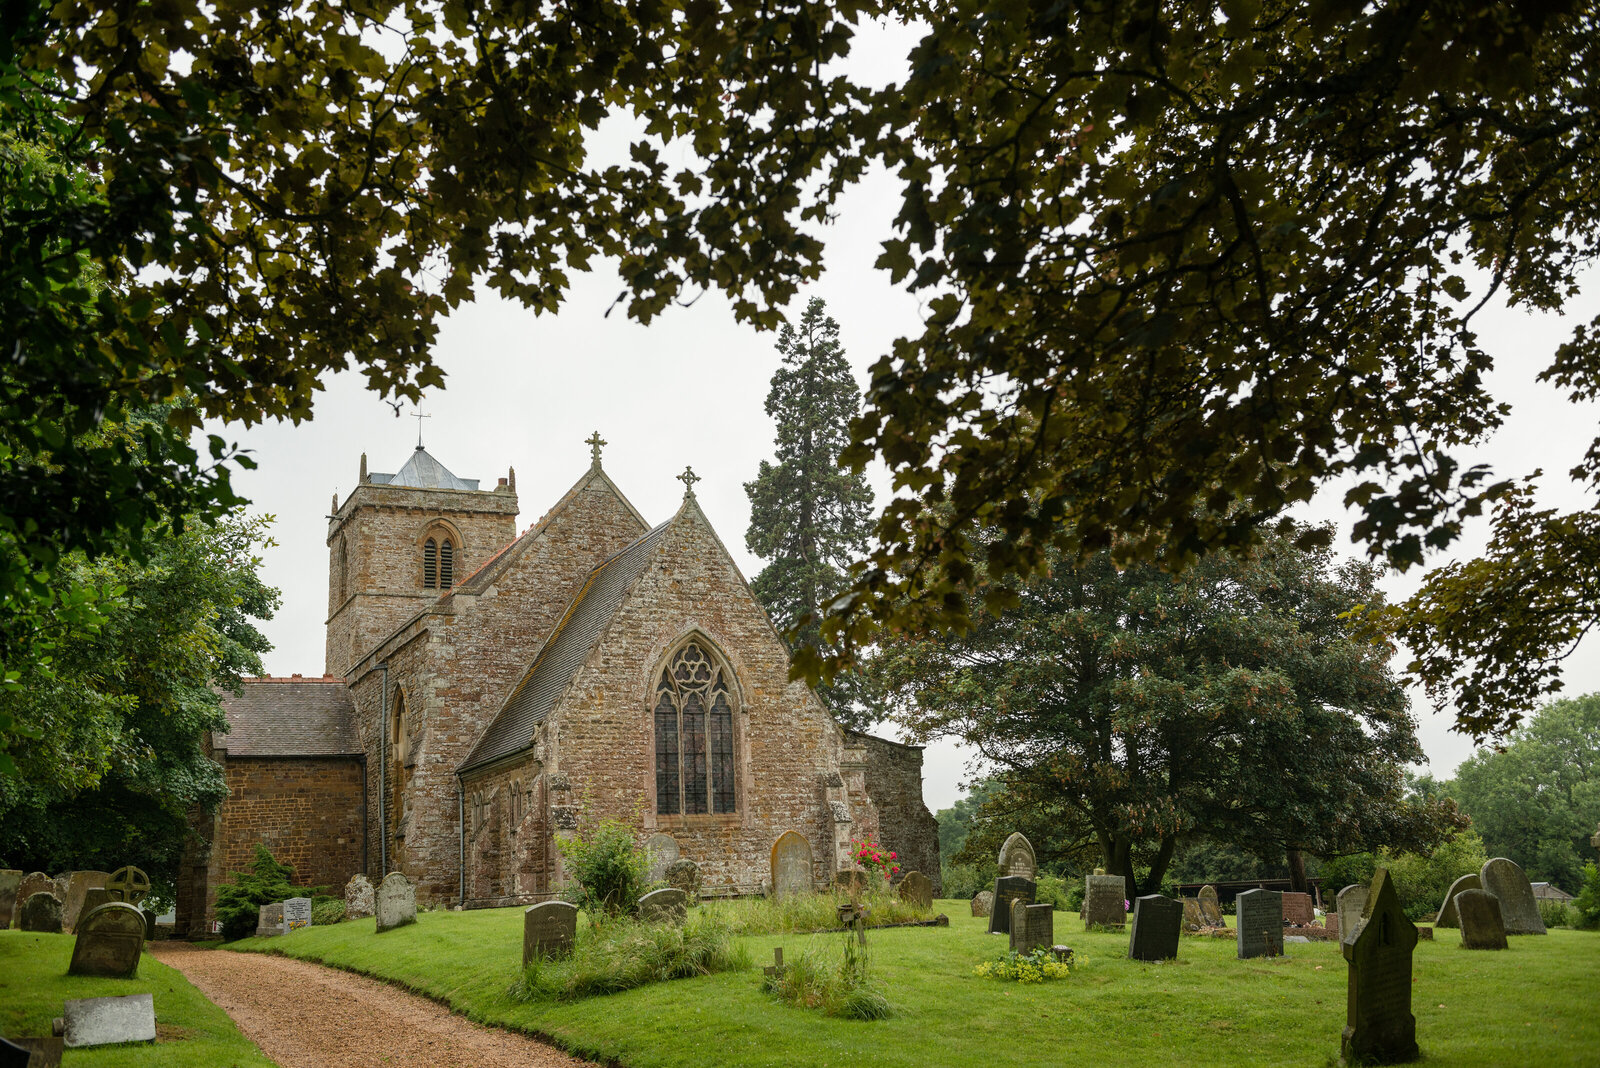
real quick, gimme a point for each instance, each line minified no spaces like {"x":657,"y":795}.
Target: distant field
{"x":1533,"y":1004}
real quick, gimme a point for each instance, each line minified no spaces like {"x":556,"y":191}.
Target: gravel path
{"x":306,"y":1016}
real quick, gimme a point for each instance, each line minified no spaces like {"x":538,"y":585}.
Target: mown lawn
{"x":1530,"y":1005}
{"x":191,"y":1032}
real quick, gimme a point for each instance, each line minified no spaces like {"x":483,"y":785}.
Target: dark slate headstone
{"x":791,"y":866}
{"x":297,"y":913}
{"x":1351,"y":905}
{"x":1505,"y":880}
{"x":109,"y":941}
{"x":1258,"y":923}
{"x":1104,"y":901}
{"x":1210,"y":908}
{"x":41,"y":912}
{"x":548,"y":930}
{"x":1447,"y":911}
{"x":684,"y":874}
{"x":1298,"y":910}
{"x":1008,"y":889}
{"x":1157,"y":923}
{"x":1192,"y":920}
{"x":397,"y":902}
{"x":103,"y":1021}
{"x":917,"y":889}
{"x":10,"y":882}
{"x":1379,"y":1027}
{"x":668,"y":905}
{"x":1032,"y":926}
{"x":983,"y":903}
{"x":1481,"y":925}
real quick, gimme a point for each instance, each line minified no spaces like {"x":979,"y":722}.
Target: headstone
{"x":10,"y":882}
{"x":1297,"y":909}
{"x":853,"y":883}
{"x":296,"y":913}
{"x":34,"y":1052}
{"x":77,"y":887}
{"x":684,"y":874}
{"x":1258,"y":924}
{"x":1351,"y":905}
{"x":397,"y":902}
{"x":36,"y":882}
{"x":41,"y":912}
{"x":1447,"y":911}
{"x":917,"y":889}
{"x":1017,"y":857}
{"x":983,"y":902}
{"x":109,"y":941}
{"x":149,"y":924}
{"x":1192,"y":920}
{"x":102,"y":1021}
{"x":1331,"y":922}
{"x":1425,"y":933}
{"x":663,"y":850}
{"x":359,"y":898}
{"x":1518,"y":909}
{"x":775,"y":970}
{"x":1210,"y":908}
{"x":1032,"y":926}
{"x":93,"y":898}
{"x":129,"y":884}
{"x":1104,"y":901}
{"x":791,"y":866}
{"x":1379,"y":1027}
{"x":668,"y":905}
{"x":1157,"y":923}
{"x":269,"y":920}
{"x":1009,"y":889}
{"x":1481,"y":924}
{"x":548,"y":930}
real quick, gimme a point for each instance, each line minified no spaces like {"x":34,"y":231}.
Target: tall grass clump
{"x":620,"y":953}
{"x":842,"y":989}
{"x":808,"y":913}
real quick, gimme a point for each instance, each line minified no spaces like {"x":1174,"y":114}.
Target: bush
{"x":620,"y":953}
{"x":1075,"y":895}
{"x":1057,"y":891}
{"x":807,"y":913}
{"x":844,"y":990}
{"x":1554,"y":913}
{"x":1037,"y":967}
{"x":1586,"y":906}
{"x":239,"y":902}
{"x":964,"y":881}
{"x":612,"y":871}
{"x":326,"y":911}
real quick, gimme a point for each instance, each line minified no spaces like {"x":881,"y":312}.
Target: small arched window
{"x":342,"y":573}
{"x":694,"y":736}
{"x":438,"y":564}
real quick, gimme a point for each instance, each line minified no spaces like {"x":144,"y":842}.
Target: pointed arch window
{"x":693,"y":708}
{"x":438,"y":563}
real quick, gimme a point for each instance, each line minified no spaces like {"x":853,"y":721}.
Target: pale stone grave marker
{"x":668,"y":905}
{"x":1351,"y":905}
{"x":1104,"y":901}
{"x":1259,"y":924}
{"x":109,"y":941}
{"x":102,"y":1021}
{"x":10,"y":882}
{"x":1210,"y":907}
{"x":397,"y":902}
{"x":1518,"y":908}
{"x":77,"y":886}
{"x":791,"y":866}
{"x":663,"y":850}
{"x":1192,"y":920}
{"x":1379,"y":1027}
{"x":1017,"y":857}
{"x":917,"y":889}
{"x":1157,"y":923}
{"x":360,"y":900}
{"x":983,"y":902}
{"x":296,"y":913}
{"x":41,"y":912}
{"x":1481,"y":923}
{"x":1007,"y":890}
{"x":684,"y":874}
{"x":1032,"y":926}
{"x":1297,"y":909}
{"x":269,"y":920}
{"x":549,"y":929}
{"x":1447,"y":911}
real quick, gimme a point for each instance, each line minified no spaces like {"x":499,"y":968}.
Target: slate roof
{"x":294,"y":717}
{"x":558,"y":662}
{"x":422,"y":471}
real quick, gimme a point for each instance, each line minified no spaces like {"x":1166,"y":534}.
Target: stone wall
{"x":894,"y":779}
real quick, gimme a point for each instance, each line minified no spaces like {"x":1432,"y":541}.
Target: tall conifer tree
{"x":809,"y":514}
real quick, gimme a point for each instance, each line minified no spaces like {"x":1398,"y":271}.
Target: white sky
{"x":690,"y":389}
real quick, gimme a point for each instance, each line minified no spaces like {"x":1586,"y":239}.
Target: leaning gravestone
{"x":1481,"y":925}
{"x":269,"y":920}
{"x":1192,"y":920}
{"x":1009,"y":889}
{"x":41,"y":912}
{"x":10,"y":882}
{"x":359,"y":898}
{"x":1017,"y":857}
{"x":103,"y":1021}
{"x":1447,"y":911}
{"x":549,"y":929}
{"x":77,"y":886}
{"x":669,"y":905}
{"x":791,"y":866}
{"x":983,"y":903}
{"x":917,"y":889}
{"x":684,"y":874}
{"x":109,"y":941}
{"x":1379,"y":1027}
{"x":1505,"y":880}
{"x":1351,"y":905}
{"x":1298,"y":910}
{"x":1210,"y":908}
{"x":296,"y":913}
{"x":663,"y":850}
{"x":1105,"y":901}
{"x":1259,"y":924}
{"x":1032,"y":926}
{"x":397,"y":902}
{"x":1157,"y":923}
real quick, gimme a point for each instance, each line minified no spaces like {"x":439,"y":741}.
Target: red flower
{"x":894,"y":856}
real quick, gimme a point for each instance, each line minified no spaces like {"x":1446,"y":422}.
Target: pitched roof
{"x":422,"y":471}
{"x":558,"y":662}
{"x":277,"y":717}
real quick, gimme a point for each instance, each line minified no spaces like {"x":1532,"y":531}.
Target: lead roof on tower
{"x":422,"y":471}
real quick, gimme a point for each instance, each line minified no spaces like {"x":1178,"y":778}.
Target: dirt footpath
{"x":307,"y":1016}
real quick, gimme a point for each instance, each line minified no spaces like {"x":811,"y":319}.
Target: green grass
{"x":1531,"y":1004}
{"x":190,"y":1030}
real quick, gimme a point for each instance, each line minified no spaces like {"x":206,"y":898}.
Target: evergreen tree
{"x":809,"y":514}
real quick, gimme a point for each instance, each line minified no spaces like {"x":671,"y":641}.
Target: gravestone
{"x":93,"y":898}
{"x":77,"y":886}
{"x":36,"y":882}
{"x":296,"y":913}
{"x":917,"y":889}
{"x":1518,"y":909}
{"x":669,"y":905}
{"x":397,"y":902}
{"x":41,"y":912}
{"x":102,"y":1021}
{"x":109,"y":940}
{"x":1331,"y":922}
{"x":853,"y":883}
{"x":983,"y":902}
{"x":775,"y":970}
{"x":1157,"y":923}
{"x":1298,"y":910}
{"x":1481,"y":923}
{"x":10,"y":882}
{"x":269,"y":920}
{"x":791,"y":866}
{"x":548,"y":930}
{"x":1379,"y":1027}
{"x":129,"y":884}
{"x":1192,"y":920}
{"x":1258,"y":921}
{"x":1447,"y":911}
{"x":1017,"y":857}
{"x":1007,"y":890}
{"x":1032,"y":926}
{"x":1210,"y":908}
{"x":663,"y":849}
{"x":1351,"y":905}
{"x":360,"y":900}
{"x":1104,"y":901}
{"x":684,"y":874}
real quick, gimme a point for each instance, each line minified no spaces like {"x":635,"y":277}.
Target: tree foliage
{"x":808,"y":514}
{"x":266,"y":882}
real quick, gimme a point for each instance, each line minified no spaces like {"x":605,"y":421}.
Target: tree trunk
{"x":1297,"y":872}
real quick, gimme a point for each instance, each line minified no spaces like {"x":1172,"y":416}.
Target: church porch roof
{"x":290,"y":717}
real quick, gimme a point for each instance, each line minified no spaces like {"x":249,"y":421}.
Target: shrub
{"x":1586,"y":906}
{"x":963,"y":881}
{"x":239,"y":902}
{"x":1037,"y":967}
{"x":612,"y":871}
{"x":620,"y":953}
{"x":874,"y":858}
{"x":807,"y":913}
{"x":1057,"y":891}
{"x":326,"y":911}
{"x":1075,"y":895}
{"x":1554,"y":913}
{"x":844,"y":990}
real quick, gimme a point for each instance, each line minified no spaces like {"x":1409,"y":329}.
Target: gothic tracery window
{"x":694,"y":736}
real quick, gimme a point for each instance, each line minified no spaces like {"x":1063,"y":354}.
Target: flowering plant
{"x":1036,"y":967}
{"x":874,"y":858}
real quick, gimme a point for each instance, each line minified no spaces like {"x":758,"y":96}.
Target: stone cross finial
{"x":688,"y":478}
{"x":594,"y":441}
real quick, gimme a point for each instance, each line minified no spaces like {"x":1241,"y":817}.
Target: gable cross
{"x":416,"y":413}
{"x":594,"y":441}
{"x":688,"y":478}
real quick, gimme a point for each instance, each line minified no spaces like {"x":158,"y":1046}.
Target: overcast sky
{"x":524,"y":391}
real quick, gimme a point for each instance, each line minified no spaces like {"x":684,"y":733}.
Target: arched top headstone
{"x":791,"y":866}
{"x":110,"y":937}
{"x":1506,"y":881}
{"x":1448,"y":917}
{"x":549,"y":929}
{"x":663,"y":850}
{"x":1017,"y":857}
{"x":360,"y":898}
{"x":397,"y":902}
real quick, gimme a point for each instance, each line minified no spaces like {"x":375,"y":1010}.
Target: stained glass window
{"x":668,"y":797}
{"x":694,"y":736}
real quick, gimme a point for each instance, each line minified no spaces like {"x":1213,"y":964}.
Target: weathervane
{"x":688,"y":478}
{"x":594,"y":441}
{"x":416,"y":413}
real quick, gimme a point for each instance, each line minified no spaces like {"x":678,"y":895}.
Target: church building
{"x":485,"y":692}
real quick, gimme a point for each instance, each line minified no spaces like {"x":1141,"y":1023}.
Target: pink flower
{"x":894,"y":856}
